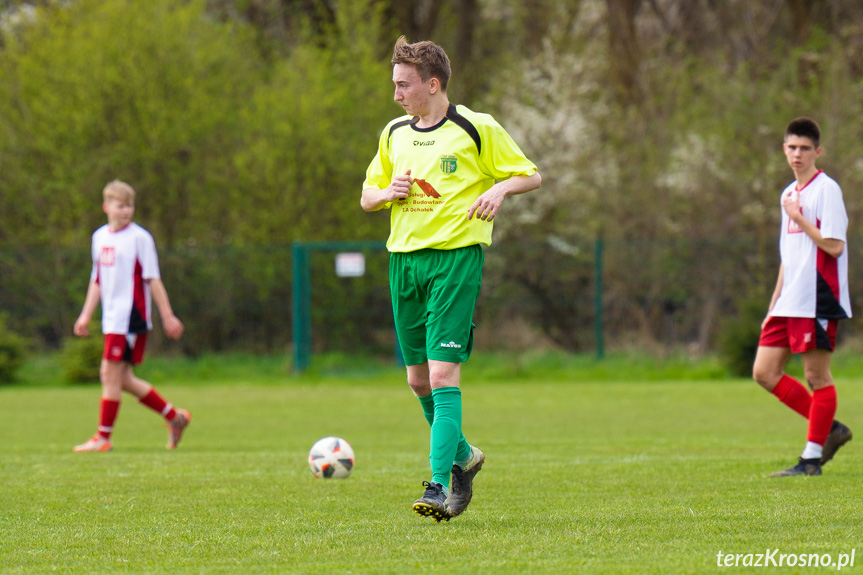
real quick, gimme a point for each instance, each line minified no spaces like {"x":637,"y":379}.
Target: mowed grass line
{"x":580,"y":478}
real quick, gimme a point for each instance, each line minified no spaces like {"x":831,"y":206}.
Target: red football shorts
{"x":128,"y":348}
{"x":799,"y":334}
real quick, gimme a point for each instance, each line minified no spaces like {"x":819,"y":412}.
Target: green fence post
{"x":597,"y":299}
{"x":302,"y":308}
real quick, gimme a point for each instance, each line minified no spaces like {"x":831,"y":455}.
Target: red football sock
{"x":821,"y":414}
{"x":793,"y":394}
{"x":107,"y":415}
{"x":158,"y":404}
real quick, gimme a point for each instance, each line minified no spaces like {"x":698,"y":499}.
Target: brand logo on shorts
{"x":107,"y":257}
{"x":451,"y":344}
{"x":448,"y":164}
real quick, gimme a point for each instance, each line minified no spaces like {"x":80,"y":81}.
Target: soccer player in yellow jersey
{"x":444,"y":172}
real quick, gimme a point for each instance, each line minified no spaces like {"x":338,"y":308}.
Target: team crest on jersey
{"x":107,"y":257}
{"x":448,"y":164}
{"x":793,"y":227}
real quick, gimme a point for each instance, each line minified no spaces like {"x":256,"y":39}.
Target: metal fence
{"x":584,"y":298}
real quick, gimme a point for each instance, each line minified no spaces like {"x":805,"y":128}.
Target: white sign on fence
{"x":350,"y":265}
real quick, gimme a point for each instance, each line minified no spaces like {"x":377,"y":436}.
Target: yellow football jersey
{"x":452,"y":164}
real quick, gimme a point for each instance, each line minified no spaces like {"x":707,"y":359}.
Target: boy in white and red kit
{"x":125,"y":274}
{"x":810,"y":297}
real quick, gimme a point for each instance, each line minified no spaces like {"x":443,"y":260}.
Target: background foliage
{"x":13,"y":351}
{"x":246,"y":125}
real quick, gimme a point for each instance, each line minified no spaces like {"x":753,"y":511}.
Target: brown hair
{"x":428,"y":58}
{"x":118,"y":190}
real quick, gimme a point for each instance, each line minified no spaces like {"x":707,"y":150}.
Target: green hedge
{"x":81,"y":358}
{"x":13,"y":350}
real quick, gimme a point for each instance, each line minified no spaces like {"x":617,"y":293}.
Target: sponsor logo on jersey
{"x":448,"y":164}
{"x":423,"y":143}
{"x":427,"y":188}
{"x":451,"y":344}
{"x":793,"y":228}
{"x":107,"y":256}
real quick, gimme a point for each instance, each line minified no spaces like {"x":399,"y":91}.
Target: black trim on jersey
{"x":430,"y":128}
{"x":452,"y":115}
{"x":822,"y":340}
{"x":465,"y":125}
{"x":826,"y":304}
{"x":397,"y":125}
{"x":137,"y":323}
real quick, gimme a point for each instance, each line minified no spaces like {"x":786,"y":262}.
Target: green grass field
{"x":582,"y":476}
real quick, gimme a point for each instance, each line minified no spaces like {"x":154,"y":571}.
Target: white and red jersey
{"x":814,"y":284}
{"x":122,"y":261}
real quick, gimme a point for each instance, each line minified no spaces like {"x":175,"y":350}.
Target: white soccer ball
{"x":331,"y":458}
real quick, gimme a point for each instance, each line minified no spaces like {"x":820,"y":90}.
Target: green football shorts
{"x":434,"y":293}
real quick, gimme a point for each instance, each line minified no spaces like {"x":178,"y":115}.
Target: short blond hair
{"x":119,"y":190}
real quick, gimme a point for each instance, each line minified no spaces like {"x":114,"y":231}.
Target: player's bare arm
{"x":374,"y":199}
{"x":90,"y":303}
{"x":486,"y":206}
{"x":831,"y":246}
{"x":172,"y":326}
{"x":776,"y":292}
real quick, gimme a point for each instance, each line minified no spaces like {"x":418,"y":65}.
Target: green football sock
{"x":462,"y":452}
{"x":445,"y":432}
{"x":428,"y":407}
